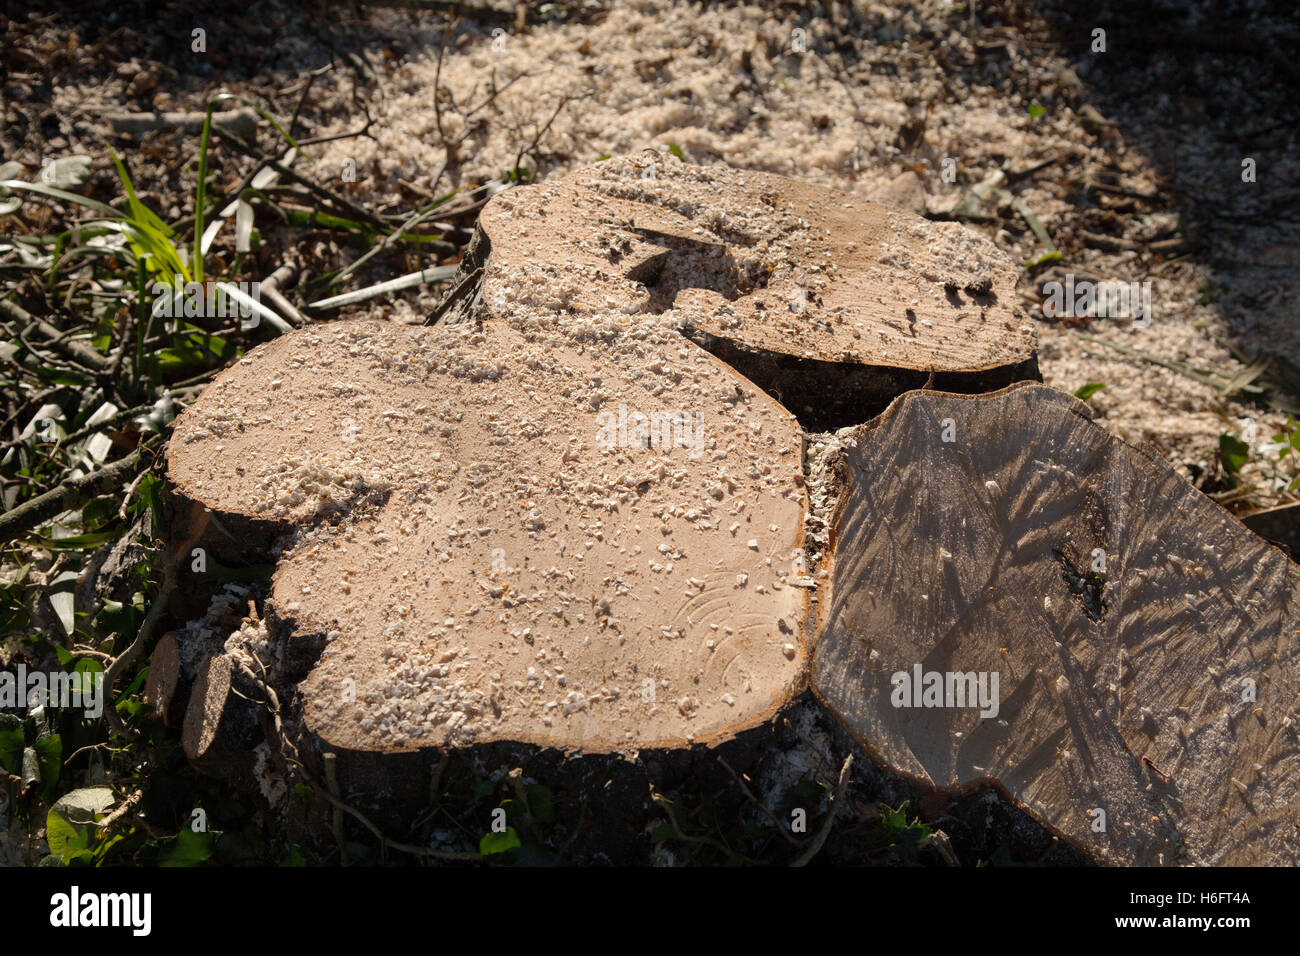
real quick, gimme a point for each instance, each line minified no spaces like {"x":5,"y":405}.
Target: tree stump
{"x":829,"y":302}
{"x":222,"y":722}
{"x":164,"y":676}
{"x":574,"y":516}
{"x":1145,"y":644}
{"x":586,"y":544}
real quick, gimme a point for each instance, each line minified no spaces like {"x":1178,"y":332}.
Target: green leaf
{"x":148,"y":495}
{"x":102,"y":848}
{"x":895,"y":828}
{"x":85,"y":804}
{"x":677,"y":151}
{"x":1035,"y":111}
{"x":49,"y":759}
{"x":189,"y":849}
{"x":11,"y":743}
{"x":149,"y":236}
{"x":55,"y":376}
{"x":541,"y":803}
{"x":201,"y":240}
{"x":1089,"y":389}
{"x":65,"y":838}
{"x":141,"y":214}
{"x":499,"y":842}
{"x":183,"y":358}
{"x":62,"y":194}
{"x":294,"y":858}
{"x":1233,"y":453}
{"x":79,"y":542}
{"x":86,"y":675}
{"x":1044,"y":259}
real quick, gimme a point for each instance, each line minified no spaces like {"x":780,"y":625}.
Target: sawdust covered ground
{"x":1130,"y":158}
{"x":1161,"y":130}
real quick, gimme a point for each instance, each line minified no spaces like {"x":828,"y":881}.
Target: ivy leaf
{"x":493,"y":843}
{"x":189,"y":849}
{"x":1233,"y":453}
{"x":541,"y":803}
{"x":49,"y":759}
{"x":85,"y":676}
{"x":65,"y":839}
{"x":11,"y":743}
{"x":294,"y":858}
{"x":84,"y":805}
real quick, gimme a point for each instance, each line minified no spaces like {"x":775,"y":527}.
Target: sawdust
{"x":534,"y":560}
{"x":729,"y":84}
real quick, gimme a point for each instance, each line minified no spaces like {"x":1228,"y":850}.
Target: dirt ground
{"x":1132,"y":158}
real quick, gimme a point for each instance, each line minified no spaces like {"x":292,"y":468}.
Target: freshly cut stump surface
{"x":588,"y":540}
{"x":1163,"y":690}
{"x":833,"y":303}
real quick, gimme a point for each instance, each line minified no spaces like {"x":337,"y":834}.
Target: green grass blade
{"x":62,"y":194}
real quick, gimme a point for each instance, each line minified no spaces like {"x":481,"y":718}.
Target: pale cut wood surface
{"x":831,"y":302}
{"x":479,"y":563}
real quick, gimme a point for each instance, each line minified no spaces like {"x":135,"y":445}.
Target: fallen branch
{"x":66,"y":497}
{"x":1095,"y":240}
{"x":121,"y":810}
{"x":74,"y":350}
{"x":143,"y":638}
{"x":820,"y":840}
{"x":71,"y":438}
{"x":407,"y":848}
{"x":749,"y":795}
{"x":321,"y":192}
{"x":241,"y":122}
{"x":270,"y":287}
{"x":666,"y":805}
{"x":435,"y":274}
